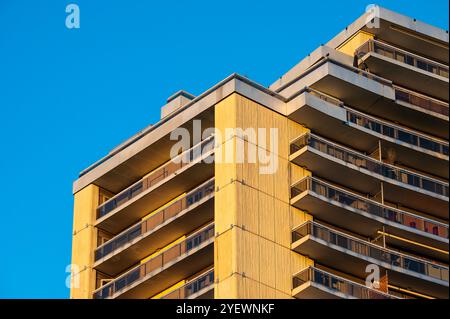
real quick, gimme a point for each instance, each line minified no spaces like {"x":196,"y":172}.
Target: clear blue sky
{"x":68,"y":96}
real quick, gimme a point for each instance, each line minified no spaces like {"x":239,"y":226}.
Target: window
{"x":407,"y":137}
{"x":422,"y":65}
{"x":409,"y":60}
{"x":352,"y":118}
{"x":436,"y":230}
{"x":428,"y":185}
{"x":413,"y":180}
{"x":388,"y":131}
{"x":427,"y":144}
{"x":374,"y":126}
{"x":414,"y":266}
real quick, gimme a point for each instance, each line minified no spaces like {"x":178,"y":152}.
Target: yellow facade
{"x":253,"y":218}
{"x":84,"y":242}
{"x":256,"y":254}
{"x":358,"y":39}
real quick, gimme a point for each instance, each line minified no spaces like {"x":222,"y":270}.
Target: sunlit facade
{"x":359,"y":181}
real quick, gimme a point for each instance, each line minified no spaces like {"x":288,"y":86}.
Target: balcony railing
{"x":387,"y":129}
{"x":347,"y":67}
{"x":156,"y":219}
{"x":361,"y":247}
{"x":323,"y":96}
{"x":396,"y":132}
{"x":192,"y":287}
{"x":422,"y":101}
{"x":366,"y":74}
{"x":160,"y":260}
{"x":157,"y":176}
{"x":370,"y":164}
{"x":338,"y":284}
{"x":403,"y":56}
{"x":371,"y":207}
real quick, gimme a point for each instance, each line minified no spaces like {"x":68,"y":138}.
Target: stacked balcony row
{"x":361,"y":172}
{"x":159,"y":229}
{"x":164,"y":269}
{"x":372,"y":178}
{"x":200,"y":287}
{"x":367,"y":91}
{"x":351,"y":255}
{"x":337,"y":206}
{"x":183,"y":189}
{"x":314,"y":283}
{"x":405,"y":68}
{"x":329,"y":117}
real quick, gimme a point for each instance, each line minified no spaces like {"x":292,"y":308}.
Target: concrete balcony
{"x":406,"y":32}
{"x":329,"y":117}
{"x":165,"y":269}
{"x":364,"y":174}
{"x":352,"y":255}
{"x":344,"y":82}
{"x":170,"y":180}
{"x":372,"y":94}
{"x":420,"y":111}
{"x":405,"y":68}
{"x":337,"y":206}
{"x":163,"y":227}
{"x":314,"y":283}
{"x":201,"y":287}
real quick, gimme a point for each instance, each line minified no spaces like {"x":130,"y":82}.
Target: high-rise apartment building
{"x":331,"y":183}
